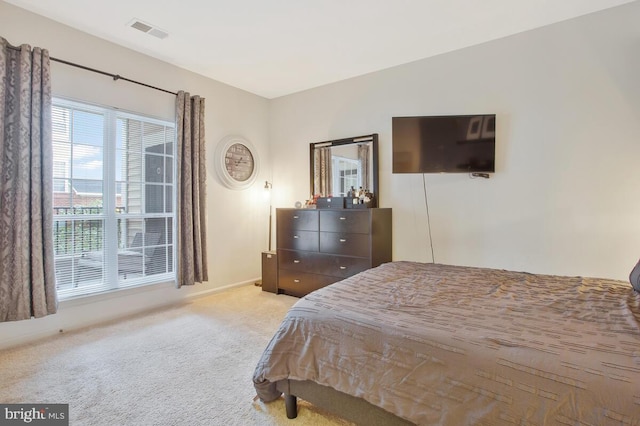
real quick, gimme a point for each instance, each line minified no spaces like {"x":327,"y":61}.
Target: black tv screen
{"x":444,"y":144}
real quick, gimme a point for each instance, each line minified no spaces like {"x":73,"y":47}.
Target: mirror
{"x":338,"y":165}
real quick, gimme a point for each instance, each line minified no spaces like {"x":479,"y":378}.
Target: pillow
{"x":634,"y":277}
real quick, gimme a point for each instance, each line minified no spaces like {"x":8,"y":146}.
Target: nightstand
{"x":270,"y":271}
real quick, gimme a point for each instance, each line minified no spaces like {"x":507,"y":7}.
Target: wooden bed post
{"x":290,"y":402}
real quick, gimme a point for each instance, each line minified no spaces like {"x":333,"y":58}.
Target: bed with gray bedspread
{"x":449,"y":345}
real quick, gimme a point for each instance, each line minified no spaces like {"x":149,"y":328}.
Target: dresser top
{"x":342,"y":209}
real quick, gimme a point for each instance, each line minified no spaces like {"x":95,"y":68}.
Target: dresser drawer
{"x":343,"y":266}
{"x":353,"y":221}
{"x":301,"y":261}
{"x":349,"y":244}
{"x":298,"y":240}
{"x":296,"y":220}
{"x":300,"y":283}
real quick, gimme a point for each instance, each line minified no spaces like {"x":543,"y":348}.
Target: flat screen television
{"x":444,"y":144}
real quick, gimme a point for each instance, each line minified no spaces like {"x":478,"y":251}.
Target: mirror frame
{"x":347,"y":141}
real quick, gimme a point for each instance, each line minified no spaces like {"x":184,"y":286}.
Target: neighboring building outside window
{"x":113,"y":198}
{"x":60,"y":176}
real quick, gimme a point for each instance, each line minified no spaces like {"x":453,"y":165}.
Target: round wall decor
{"x":236,"y":162}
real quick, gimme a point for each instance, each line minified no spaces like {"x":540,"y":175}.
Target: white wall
{"x":237,"y":221}
{"x":565,"y":198}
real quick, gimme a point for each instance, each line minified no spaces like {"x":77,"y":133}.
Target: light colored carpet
{"x":186,"y":365}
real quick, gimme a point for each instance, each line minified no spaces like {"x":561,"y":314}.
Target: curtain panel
{"x":192,"y":241}
{"x":323,"y":172}
{"x":363,"y":159}
{"x":27,"y":272}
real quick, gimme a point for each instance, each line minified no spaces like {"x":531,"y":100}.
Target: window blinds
{"x":113,"y":199}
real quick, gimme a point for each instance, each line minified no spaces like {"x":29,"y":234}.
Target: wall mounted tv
{"x":444,"y":144}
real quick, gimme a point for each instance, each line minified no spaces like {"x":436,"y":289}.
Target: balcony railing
{"x":72,"y":236}
{"x":79,"y":238}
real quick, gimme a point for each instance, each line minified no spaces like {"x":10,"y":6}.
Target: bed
{"x":431,"y":344}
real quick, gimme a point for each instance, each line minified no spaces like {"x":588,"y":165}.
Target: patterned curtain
{"x":27,"y":273}
{"x":322,"y":172}
{"x":363,"y":158}
{"x":192,"y":242}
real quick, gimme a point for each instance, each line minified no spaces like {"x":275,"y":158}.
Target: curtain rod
{"x":115,"y":77}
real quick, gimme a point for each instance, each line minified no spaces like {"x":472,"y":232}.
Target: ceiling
{"x":277,"y":47}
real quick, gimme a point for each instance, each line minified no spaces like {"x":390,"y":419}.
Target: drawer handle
{"x":296,"y":261}
{"x":343,"y":240}
{"x":296,"y":217}
{"x":343,"y":218}
{"x":296,"y":236}
{"x":343,"y":268}
{"x":296,"y":281}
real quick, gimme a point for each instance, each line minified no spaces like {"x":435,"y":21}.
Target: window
{"x":346,"y":175}
{"x":113,"y":199}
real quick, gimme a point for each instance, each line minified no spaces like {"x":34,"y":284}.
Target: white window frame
{"x":111,"y":280}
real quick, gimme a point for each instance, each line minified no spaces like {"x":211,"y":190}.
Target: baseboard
{"x":215,"y":290}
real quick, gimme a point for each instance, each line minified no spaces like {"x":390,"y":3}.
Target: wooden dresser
{"x":317,"y":247}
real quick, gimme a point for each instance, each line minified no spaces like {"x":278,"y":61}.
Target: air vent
{"x":158,"y":33}
{"x":148,"y":28}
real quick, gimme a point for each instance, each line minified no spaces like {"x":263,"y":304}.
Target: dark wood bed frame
{"x":348,"y":407}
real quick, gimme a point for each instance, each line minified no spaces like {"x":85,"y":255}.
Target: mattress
{"x":451,"y":345}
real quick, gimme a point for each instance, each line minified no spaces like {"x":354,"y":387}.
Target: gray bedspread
{"x":448,"y":345}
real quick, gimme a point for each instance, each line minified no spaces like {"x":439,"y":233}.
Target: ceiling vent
{"x":148,"y":28}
